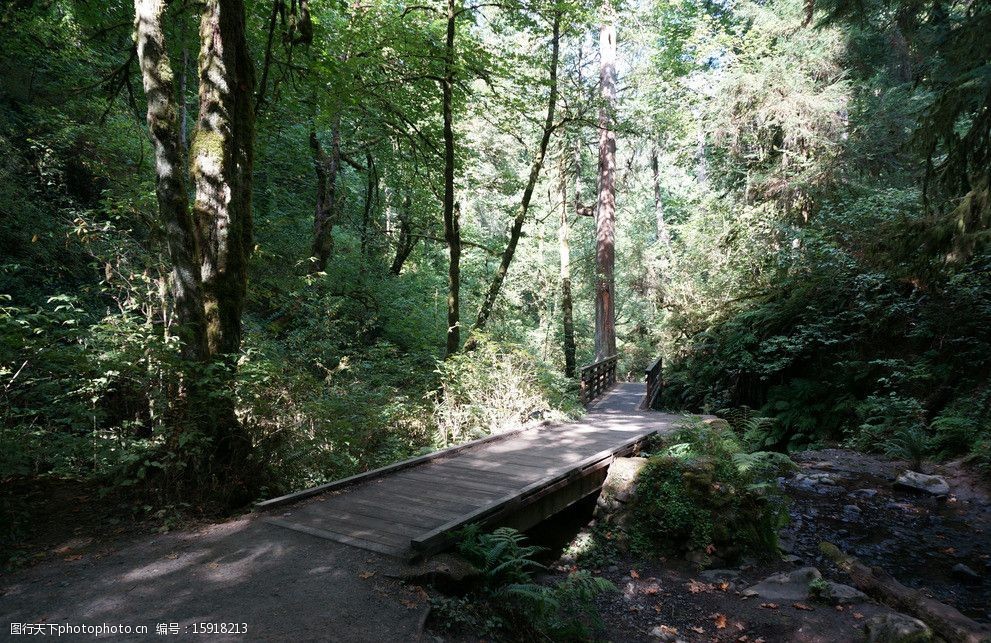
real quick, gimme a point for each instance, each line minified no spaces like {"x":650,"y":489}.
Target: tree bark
{"x":485,"y":311}
{"x":564,"y":244}
{"x":661,"y":232}
{"x":170,"y":185}
{"x":327,"y":168}
{"x":222,"y":158}
{"x":452,"y":225}
{"x":371,"y":188}
{"x":605,"y":224}
{"x":222,"y":155}
{"x":406,"y":240}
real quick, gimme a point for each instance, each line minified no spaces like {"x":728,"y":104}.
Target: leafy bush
{"x":494,"y":388}
{"x":703,"y":490}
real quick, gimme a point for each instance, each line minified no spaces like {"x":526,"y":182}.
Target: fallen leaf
{"x":695,"y":587}
{"x":213,"y":565}
{"x":667,"y":629}
{"x":858,"y":615}
{"x":634,"y":574}
{"x":410,"y":605}
{"x":651,"y":590}
{"x":720,"y":621}
{"x":839,"y":608}
{"x":769,"y":606}
{"x":803,"y":607}
{"x":710,"y":549}
{"x":366,"y":575}
{"x":724,"y":586}
{"x":697,"y":630}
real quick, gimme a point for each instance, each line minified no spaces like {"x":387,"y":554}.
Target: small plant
{"x":512,"y":599}
{"x":911,"y":443}
{"x":818,"y":588}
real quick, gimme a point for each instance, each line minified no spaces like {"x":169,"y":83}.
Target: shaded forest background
{"x":802,"y":204}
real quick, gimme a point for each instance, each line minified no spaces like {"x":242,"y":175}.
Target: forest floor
{"x":918,"y":539}
{"x":278,"y":583}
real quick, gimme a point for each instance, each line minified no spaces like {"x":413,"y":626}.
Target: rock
{"x":966,"y":574}
{"x":665,"y":633}
{"x":786,"y":541}
{"x":894,"y":627}
{"x":717,"y":575}
{"x":791,"y":559}
{"x":839,"y":594}
{"x":612,"y":507}
{"x":717,"y":423}
{"x":851,"y":513}
{"x":447,"y":572}
{"x":915,"y":481}
{"x":863,"y":493}
{"x":786,"y":586}
{"x":821,"y":483}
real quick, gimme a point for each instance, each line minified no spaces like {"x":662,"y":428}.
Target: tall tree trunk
{"x":221,"y":164}
{"x":406,"y":240}
{"x":170,"y":184}
{"x":452,"y":225}
{"x":327,"y":167}
{"x":517,"y":228}
{"x":662,"y":229}
{"x":371,"y":188}
{"x":605,"y":224}
{"x":564,"y":245}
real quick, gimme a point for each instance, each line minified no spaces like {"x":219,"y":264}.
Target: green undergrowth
{"x":511,"y":603}
{"x":702,"y":492}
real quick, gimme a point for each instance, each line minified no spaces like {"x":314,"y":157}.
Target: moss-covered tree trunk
{"x":327,"y":167}
{"x":170,"y":185}
{"x":221,"y":164}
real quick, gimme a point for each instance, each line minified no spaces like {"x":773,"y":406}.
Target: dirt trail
{"x":281,"y":584}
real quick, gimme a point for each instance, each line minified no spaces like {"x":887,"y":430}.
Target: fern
{"x":565,"y":611}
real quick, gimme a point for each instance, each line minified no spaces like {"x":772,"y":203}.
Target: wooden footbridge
{"x":516,"y":479}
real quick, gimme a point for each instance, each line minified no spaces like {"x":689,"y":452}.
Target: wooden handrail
{"x":654,"y":384}
{"x":597,"y":378}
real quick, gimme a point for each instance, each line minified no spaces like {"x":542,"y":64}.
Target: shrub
{"x":703,"y":490}
{"x":494,"y":388}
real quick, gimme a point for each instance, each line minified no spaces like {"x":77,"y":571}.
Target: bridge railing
{"x":597,"y":378}
{"x":654,"y":384}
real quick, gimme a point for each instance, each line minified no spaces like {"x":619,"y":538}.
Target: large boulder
{"x":612,"y":509}
{"x":839,"y":594}
{"x":893,"y":627}
{"x":785,"y":587}
{"x":915,"y":481}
